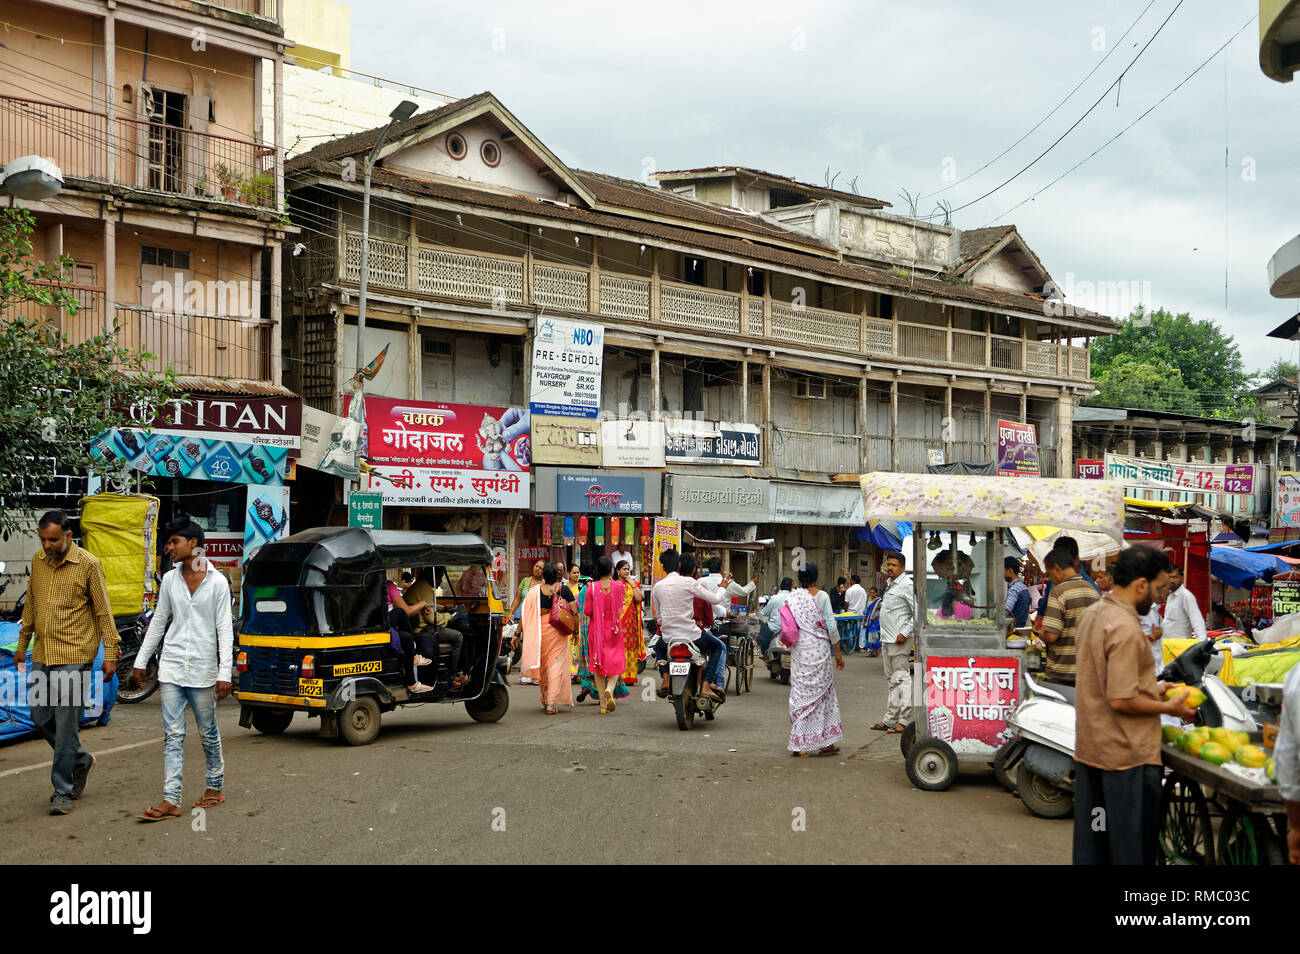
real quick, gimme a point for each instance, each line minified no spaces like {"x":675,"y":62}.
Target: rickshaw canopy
{"x":987,"y":503}
{"x":342,"y":555}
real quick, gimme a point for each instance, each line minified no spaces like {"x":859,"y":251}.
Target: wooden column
{"x":654,"y":289}
{"x":656,"y":395}
{"x":893,"y":425}
{"x":864,"y":444}
{"x":413,"y":359}
{"x":278,"y":92}
{"x":110,"y":105}
{"x":277,"y":312}
{"x":990,"y":433}
{"x":946,"y":433}
{"x":593,"y":278}
{"x":412,"y":254}
{"x":110,"y":270}
{"x":767,"y":411}
{"x":744,"y":391}
{"x":528,"y":265}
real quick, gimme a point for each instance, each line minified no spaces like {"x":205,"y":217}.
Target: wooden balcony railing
{"x":152,"y":157}
{"x":478,"y":277}
{"x":816,"y":451}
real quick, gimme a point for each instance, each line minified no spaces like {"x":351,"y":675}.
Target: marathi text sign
{"x":567,"y":358}
{"x":1179,"y":475}
{"x":584,"y":493}
{"x":706,"y":442}
{"x":1286,"y":509}
{"x":455,"y":436}
{"x":1018,"y":450}
{"x":437,"y":487}
{"x":969,"y":698}
{"x":1286,"y":597}
{"x":667,"y":536}
{"x":1089,"y":469}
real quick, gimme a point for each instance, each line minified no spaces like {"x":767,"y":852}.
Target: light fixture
{"x":642,"y":249}
{"x":403,"y":111}
{"x":972,"y":538}
{"x":32,"y":177}
{"x":577,"y":241}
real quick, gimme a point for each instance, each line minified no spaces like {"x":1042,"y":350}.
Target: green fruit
{"x":1251,"y":756}
{"x":1242,"y":737}
{"x":1226,"y":738}
{"x":1171,"y":733}
{"x":1270,"y":771}
{"x":1214,"y":753}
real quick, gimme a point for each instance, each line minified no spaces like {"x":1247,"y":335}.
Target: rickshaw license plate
{"x":311,"y":687}
{"x":352,"y":669}
{"x":679,"y":668}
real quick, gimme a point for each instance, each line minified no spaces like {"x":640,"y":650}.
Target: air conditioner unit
{"x":809,"y":387}
{"x":436,"y":347}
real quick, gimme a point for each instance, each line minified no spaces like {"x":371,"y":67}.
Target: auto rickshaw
{"x":315,"y":635}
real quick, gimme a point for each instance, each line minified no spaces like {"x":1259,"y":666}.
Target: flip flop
{"x":210,"y":800}
{"x":151,"y":814}
{"x":892,"y":731}
{"x":881,"y":727}
{"x":829,"y":750}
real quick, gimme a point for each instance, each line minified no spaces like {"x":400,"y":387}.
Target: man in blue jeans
{"x":672,"y":601}
{"x":194,"y":670}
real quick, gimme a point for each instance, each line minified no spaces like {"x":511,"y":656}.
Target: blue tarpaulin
{"x":16,"y":715}
{"x":882,"y":537}
{"x":1238,"y":567}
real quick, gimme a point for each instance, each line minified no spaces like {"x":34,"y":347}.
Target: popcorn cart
{"x":965,"y":679}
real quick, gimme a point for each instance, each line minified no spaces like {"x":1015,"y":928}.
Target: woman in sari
{"x":546,"y":646}
{"x":606,"y":650}
{"x":873,"y":623}
{"x":577,"y":653}
{"x":815,"y":725}
{"x":633,"y":631}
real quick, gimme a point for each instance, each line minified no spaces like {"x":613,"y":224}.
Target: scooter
{"x":686,"y":683}
{"x":777,"y":655}
{"x":1038,"y":762}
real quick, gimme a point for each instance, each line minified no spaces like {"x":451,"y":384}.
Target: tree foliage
{"x":1150,"y":385}
{"x":55,"y":395}
{"x":1281,"y":369}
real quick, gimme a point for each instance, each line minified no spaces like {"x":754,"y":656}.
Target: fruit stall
{"x":1218,"y":773}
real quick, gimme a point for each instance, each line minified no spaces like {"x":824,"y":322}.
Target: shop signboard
{"x":1089,"y":469}
{"x":935,"y":457}
{"x":1286,"y":597}
{"x":225,"y":551}
{"x":1017,"y":450}
{"x":566,"y":440}
{"x":719,"y":499}
{"x":366,"y":510}
{"x":439,"y":487}
{"x":625,"y":443}
{"x":667,"y":536}
{"x":270,"y":421}
{"x":330,"y":444}
{"x":968,"y":699}
{"x":567,"y":358}
{"x":712,"y":442}
{"x":1180,"y":475}
{"x":198,"y":458}
{"x":1286,"y":503}
{"x":808,"y":504}
{"x":600,"y":493}
{"x":452,"y":436}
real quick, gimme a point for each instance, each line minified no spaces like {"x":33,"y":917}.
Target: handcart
{"x":850,"y":626}
{"x":966,"y":681}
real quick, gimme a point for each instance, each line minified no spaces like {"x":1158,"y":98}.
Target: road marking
{"x":116,"y":748}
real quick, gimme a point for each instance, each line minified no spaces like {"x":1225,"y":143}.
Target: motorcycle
{"x":130,"y":632}
{"x":777,"y":655}
{"x":686,"y":681}
{"x":1038,"y":762}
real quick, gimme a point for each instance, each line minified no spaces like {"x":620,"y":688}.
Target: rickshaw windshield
{"x":960,"y":583}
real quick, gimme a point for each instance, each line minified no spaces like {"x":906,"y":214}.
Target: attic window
{"x":490,"y":153}
{"x":456,"y":147}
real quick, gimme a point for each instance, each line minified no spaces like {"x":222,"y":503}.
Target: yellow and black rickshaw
{"x":315,"y":636}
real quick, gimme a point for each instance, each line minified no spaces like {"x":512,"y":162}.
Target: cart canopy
{"x":985,"y":503}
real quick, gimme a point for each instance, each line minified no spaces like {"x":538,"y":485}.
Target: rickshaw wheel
{"x":359,"y":721}
{"x":907,"y":737}
{"x":1246,"y":838}
{"x":271,"y":722}
{"x":1042,"y":797}
{"x":1186,"y":837}
{"x":490,"y":706}
{"x":932,"y":765}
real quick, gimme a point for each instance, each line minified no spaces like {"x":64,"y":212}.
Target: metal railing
{"x":152,"y":157}
{"x":816,"y":451}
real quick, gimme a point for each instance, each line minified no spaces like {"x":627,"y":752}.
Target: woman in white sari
{"x":815,"y":725}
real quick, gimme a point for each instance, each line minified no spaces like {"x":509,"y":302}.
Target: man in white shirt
{"x":1183,"y":618}
{"x":855,"y":597}
{"x":732,"y":588}
{"x":1154,"y":631}
{"x":672,"y":601}
{"x":897,"y":628}
{"x":194,"y":669}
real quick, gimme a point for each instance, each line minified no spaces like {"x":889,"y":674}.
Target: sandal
{"x":153,"y":814}
{"x":419,"y":661}
{"x":419,"y":688}
{"x":210,"y":798}
{"x":609,"y":700}
{"x":881,"y":727}
{"x":550,"y":710}
{"x":831,"y":749}
{"x":459,"y":681}
{"x":894,"y":730}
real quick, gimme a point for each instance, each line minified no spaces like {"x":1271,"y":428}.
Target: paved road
{"x":577,"y":787}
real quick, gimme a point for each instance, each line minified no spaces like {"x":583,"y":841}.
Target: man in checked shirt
{"x":67,"y":608}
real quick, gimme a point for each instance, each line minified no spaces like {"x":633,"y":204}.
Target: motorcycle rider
{"x":766,"y":631}
{"x":672,"y":603}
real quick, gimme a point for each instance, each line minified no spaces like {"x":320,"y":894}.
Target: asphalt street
{"x":578,"y":787}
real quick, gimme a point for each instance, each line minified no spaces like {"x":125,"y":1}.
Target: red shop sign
{"x":968,"y":699}
{"x":454,"y":436}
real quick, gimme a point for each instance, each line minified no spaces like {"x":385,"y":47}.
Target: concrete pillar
{"x":278,"y":95}
{"x":893,"y":426}
{"x":110,"y":271}
{"x":277,"y":313}
{"x":864,"y":444}
{"x":593,"y":278}
{"x":946,"y":432}
{"x":767,"y":412}
{"x":744,"y":391}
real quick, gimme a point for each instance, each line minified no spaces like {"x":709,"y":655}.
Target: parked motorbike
{"x":686,"y":682}
{"x":777,"y":655}
{"x":130,"y":632}
{"x":1038,"y":762}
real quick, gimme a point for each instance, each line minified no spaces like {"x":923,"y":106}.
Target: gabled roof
{"x":786,"y":182}
{"x":980,"y":245}
{"x":1289,"y":383}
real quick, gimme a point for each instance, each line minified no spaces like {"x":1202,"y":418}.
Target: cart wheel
{"x":907,"y":737}
{"x":1042,"y":797}
{"x":271,"y":721}
{"x":1000,"y":767}
{"x":932,"y":765}
{"x":1246,"y":838}
{"x":747,"y":664}
{"x":359,"y":721}
{"x":1186,"y":837}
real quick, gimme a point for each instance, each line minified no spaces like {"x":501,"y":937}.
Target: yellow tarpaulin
{"x":121,"y":530}
{"x":1173,"y":648}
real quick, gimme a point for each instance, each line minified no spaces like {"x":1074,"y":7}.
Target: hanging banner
{"x":1286,"y":506}
{"x":712,"y":442}
{"x":452,"y":436}
{"x":1180,"y":475}
{"x":437,"y":487}
{"x":1090,"y":469}
{"x":1018,"y":450}
{"x":567,"y":359}
{"x":162,"y":455}
{"x":266,"y":519}
{"x":330,"y":444}
{"x":667,"y":536}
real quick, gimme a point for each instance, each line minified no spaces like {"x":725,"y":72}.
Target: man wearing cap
{"x":194,"y":670}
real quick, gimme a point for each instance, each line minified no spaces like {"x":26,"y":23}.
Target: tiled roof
{"x":976,"y":243}
{"x":360,"y":142}
{"x":794,"y":185}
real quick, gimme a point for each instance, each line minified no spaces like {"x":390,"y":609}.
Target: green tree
{"x":55,"y":395}
{"x":1147,"y":385}
{"x":1208,"y":361}
{"x":1279,"y":370}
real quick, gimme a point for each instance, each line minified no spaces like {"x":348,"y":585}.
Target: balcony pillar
{"x":654,"y":299}
{"x":110,"y":271}
{"x":767,"y":405}
{"x":947,"y":416}
{"x":893,"y":425}
{"x":744,"y":390}
{"x":277,"y":310}
{"x":413,"y":259}
{"x":990,"y":436}
{"x":413,"y":359}
{"x":863,"y":411}
{"x":278,"y":98}
{"x":110,"y":102}
{"x":593,"y":278}
{"x":656,"y":395}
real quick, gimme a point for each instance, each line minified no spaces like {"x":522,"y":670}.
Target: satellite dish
{"x":32,"y":177}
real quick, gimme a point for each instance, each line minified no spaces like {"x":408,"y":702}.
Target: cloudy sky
{"x":914,"y":96}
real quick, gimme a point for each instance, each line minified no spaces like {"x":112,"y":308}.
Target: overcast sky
{"x":900,"y":93}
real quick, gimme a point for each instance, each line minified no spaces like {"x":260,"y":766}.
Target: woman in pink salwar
{"x":606,"y":649}
{"x":546,"y":648}
{"x":815,"y":725}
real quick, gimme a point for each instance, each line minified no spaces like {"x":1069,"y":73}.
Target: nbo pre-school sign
{"x":567,"y":358}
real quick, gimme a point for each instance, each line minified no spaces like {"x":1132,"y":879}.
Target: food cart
{"x":966,"y":681}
